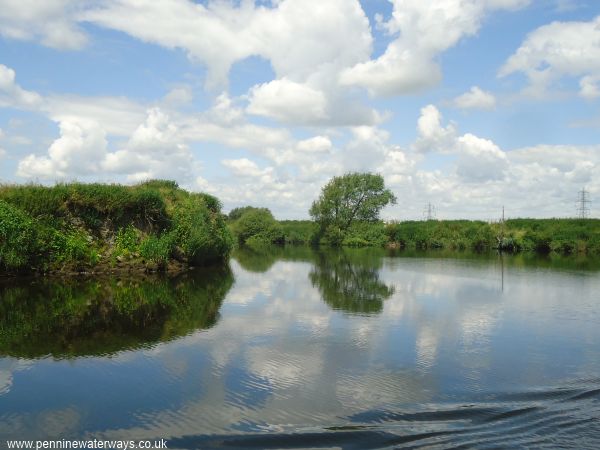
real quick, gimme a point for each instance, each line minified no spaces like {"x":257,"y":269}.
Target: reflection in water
{"x":450,"y":360}
{"x":68,"y":318}
{"x":349,"y":280}
{"x":260,"y":259}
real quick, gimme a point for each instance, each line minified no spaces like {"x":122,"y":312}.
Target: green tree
{"x":258,"y":225}
{"x":353,"y":197}
{"x":237,"y":213}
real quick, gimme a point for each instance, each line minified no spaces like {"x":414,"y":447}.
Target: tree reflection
{"x":70,"y":318}
{"x":349,"y":280}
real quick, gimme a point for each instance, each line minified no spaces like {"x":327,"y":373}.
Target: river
{"x":298,"y":348}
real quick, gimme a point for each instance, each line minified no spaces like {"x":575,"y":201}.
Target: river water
{"x":295,"y":348}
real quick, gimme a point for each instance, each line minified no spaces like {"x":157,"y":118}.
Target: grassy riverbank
{"x":561,"y":236}
{"x":517,"y":235}
{"x":87,"y":227}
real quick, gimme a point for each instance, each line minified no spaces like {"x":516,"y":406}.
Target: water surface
{"x":294,"y":348}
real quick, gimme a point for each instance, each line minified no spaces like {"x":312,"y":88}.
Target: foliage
{"x":71,"y":225}
{"x":200,"y":230}
{"x":298,"y":231}
{"x":158,"y":249}
{"x":236,"y":213}
{"x":530,"y":235}
{"x":258,"y":226}
{"x":365,"y":234}
{"x":18,"y":238}
{"x":346,"y":199}
{"x":126,"y":241}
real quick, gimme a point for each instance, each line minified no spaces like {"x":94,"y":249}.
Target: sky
{"x":470,"y":105}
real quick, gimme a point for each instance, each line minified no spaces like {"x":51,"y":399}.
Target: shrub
{"x":42,"y":227}
{"x":126,"y":241}
{"x":18,"y":238}
{"x":258,"y":223}
{"x":201,"y":233}
{"x":365,"y":234}
{"x":158,"y":249}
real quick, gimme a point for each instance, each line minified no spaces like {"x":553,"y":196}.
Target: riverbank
{"x":542,"y":236}
{"x":107,"y":228}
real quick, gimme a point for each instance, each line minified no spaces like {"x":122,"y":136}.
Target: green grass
{"x":78,"y":226}
{"x":563,"y":236}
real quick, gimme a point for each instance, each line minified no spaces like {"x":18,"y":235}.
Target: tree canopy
{"x":350,"y":198}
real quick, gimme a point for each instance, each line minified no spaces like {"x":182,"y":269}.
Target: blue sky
{"x":467,"y":104}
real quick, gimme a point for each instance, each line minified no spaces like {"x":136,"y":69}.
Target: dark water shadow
{"x":100,"y":316}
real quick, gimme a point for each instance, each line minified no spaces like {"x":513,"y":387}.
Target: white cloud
{"x":590,"y":87}
{"x":245,"y":168}
{"x":287,"y":101}
{"x":119,"y":116}
{"x":557,"y":50}
{"x":432,"y":136}
{"x":52,"y":22}
{"x":178,"y":96}
{"x":476,"y":98}
{"x":317,"y":144}
{"x":13,"y":95}
{"x":290,"y":35}
{"x":79,"y":151}
{"x":477,"y":159}
{"x":424,"y":30}
{"x":154,"y":150}
{"x":480,"y":160}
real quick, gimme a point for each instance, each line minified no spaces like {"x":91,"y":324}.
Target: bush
{"x":258,"y":224}
{"x":365,"y":234}
{"x":18,"y":238}
{"x":158,"y":249}
{"x":201,"y":233}
{"x":73,"y":248}
{"x":67,"y":224}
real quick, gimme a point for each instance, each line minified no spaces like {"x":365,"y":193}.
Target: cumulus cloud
{"x":51,"y":22}
{"x":287,"y":101}
{"x":13,"y":95}
{"x":290,"y":34}
{"x":245,"y":168}
{"x":79,"y":151}
{"x":317,"y":144}
{"x":154,"y":150}
{"x":432,"y":135}
{"x":424,"y":31}
{"x":590,"y":87}
{"x":557,"y":50}
{"x":477,"y":159}
{"x":476,"y":98}
{"x":480,"y":159}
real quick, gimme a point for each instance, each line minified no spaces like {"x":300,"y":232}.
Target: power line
{"x":583,"y":210}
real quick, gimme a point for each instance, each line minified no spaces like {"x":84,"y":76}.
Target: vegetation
{"x":257,"y":226}
{"x":354,"y":197}
{"x":563,"y":236}
{"x":79,"y":226}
